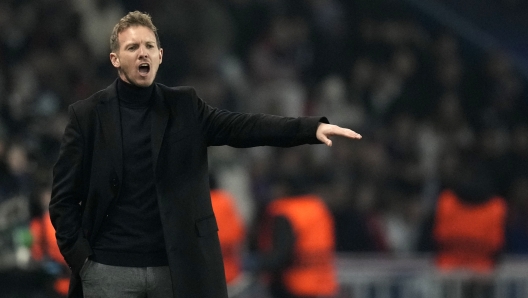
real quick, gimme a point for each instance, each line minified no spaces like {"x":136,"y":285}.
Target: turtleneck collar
{"x":132,"y":96}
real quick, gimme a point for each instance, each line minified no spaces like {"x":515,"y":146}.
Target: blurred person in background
{"x":21,"y":169}
{"x":8,"y":181}
{"x":44,"y":248}
{"x":130,"y":196}
{"x":296,"y":243}
{"x":232,"y":235}
{"x":517,"y":225}
{"x":468,"y":227}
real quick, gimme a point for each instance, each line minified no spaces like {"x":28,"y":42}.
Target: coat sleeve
{"x":222,"y":127}
{"x":66,"y":196}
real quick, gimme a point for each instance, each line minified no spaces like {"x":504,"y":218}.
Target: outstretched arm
{"x":325,"y":131}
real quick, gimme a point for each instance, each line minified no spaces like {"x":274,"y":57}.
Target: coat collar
{"x":109,"y":115}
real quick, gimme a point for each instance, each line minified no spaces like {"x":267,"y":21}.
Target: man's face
{"x":138,"y":57}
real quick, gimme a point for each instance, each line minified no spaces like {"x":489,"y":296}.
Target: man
{"x":130,"y":198}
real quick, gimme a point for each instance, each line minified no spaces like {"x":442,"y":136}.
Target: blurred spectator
{"x":359,"y":223}
{"x":277,"y":63}
{"x":330,"y":31}
{"x":200,"y":33}
{"x":468,"y":224}
{"x":21,"y":169}
{"x":467,"y":231}
{"x":8,"y":186}
{"x":98,"y":18}
{"x":332,"y":100}
{"x":294,"y":253}
{"x":45,"y":251}
{"x":517,"y":223}
{"x":231,"y":233}
{"x":505,"y":92}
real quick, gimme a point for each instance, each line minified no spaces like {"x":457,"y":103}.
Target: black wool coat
{"x":88,"y":175}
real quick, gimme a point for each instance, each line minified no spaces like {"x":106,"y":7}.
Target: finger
{"x":355,"y":135}
{"x":350,"y":133}
{"x":326,"y":141}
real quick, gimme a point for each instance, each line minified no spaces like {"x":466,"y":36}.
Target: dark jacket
{"x":88,"y":175}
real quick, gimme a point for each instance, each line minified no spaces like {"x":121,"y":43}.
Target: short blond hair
{"x":134,"y":18}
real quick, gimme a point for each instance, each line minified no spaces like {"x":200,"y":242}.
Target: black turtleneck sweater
{"x":132,"y":234}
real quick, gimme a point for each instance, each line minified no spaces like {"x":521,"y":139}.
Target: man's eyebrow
{"x":132,"y":43}
{"x":135,"y":43}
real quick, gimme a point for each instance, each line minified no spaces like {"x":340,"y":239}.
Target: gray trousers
{"x":105,"y":281}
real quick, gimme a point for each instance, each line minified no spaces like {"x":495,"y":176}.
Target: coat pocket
{"x":206,"y":225}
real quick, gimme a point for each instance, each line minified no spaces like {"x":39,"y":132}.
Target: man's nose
{"x":143,"y":53}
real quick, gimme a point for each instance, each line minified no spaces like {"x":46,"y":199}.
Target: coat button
{"x":114,"y":182}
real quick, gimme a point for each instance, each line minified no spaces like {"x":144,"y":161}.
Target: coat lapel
{"x":160,"y":117}
{"x":108,"y":110}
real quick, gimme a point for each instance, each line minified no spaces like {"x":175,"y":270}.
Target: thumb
{"x":326,"y":140}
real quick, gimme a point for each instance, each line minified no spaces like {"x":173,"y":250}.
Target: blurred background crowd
{"x":431,"y":96}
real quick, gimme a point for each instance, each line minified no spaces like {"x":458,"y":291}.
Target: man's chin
{"x":138,"y":82}
{"x":142,"y":83}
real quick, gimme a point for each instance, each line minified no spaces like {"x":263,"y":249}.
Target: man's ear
{"x":161,"y":55}
{"x":115,"y":60}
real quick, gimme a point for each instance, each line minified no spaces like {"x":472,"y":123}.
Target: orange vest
{"x":44,"y":244}
{"x":312,"y":272}
{"x":468,"y":236}
{"x":231,"y":232}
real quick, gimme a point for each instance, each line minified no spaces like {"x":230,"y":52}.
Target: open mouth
{"x":144,"y":68}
